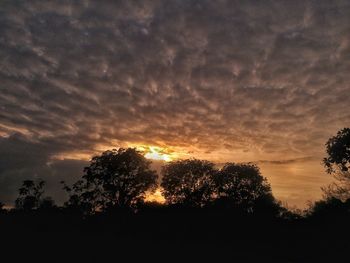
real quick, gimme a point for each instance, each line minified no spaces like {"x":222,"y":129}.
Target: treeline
{"x":120,"y":179}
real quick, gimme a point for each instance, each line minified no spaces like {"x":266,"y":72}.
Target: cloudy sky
{"x":262,"y":81}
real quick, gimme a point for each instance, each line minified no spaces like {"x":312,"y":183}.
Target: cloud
{"x":21,"y":159}
{"x":289,"y":161}
{"x":226,"y":80}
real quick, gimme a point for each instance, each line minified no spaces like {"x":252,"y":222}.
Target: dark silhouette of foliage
{"x":30,"y":195}
{"x":242,"y":186}
{"x":330,"y":207}
{"x":47,"y":204}
{"x":338,"y":150}
{"x":188,"y":182}
{"x":115,"y":179}
{"x":337,"y":163}
{"x":80,"y":200}
{"x":2,"y":209}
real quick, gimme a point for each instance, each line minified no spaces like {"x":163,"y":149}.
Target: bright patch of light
{"x":155,"y":196}
{"x":161,"y":153}
{"x":157,"y":153}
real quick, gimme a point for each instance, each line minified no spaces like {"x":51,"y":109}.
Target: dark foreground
{"x":171,"y":236}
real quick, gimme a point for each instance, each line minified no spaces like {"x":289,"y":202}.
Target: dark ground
{"x":171,"y":236}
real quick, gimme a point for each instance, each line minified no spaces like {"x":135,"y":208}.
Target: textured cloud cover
{"x":223,"y":80}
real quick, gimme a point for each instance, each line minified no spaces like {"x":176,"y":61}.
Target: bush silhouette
{"x":47,"y":204}
{"x":30,"y":195}
{"x":330,"y":208}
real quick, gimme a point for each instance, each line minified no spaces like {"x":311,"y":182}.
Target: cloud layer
{"x":223,"y":80}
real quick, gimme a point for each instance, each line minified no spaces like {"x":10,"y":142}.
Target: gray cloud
{"x":21,"y":159}
{"x":252,"y":80}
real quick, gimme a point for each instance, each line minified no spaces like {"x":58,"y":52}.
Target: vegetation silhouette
{"x":116,"y":179}
{"x":199,"y":184}
{"x":330,"y":208}
{"x":210,"y":213}
{"x":31,"y":196}
{"x":2,"y":208}
{"x":337,"y":163}
{"x":335,"y":205}
{"x":188,"y":182}
{"x":242,"y":186}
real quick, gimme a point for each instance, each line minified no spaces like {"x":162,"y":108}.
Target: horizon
{"x":305,"y":192}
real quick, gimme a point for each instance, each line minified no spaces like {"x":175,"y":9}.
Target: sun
{"x":157,"y":153}
{"x":161,"y":152}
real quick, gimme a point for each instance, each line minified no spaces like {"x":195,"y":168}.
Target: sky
{"x":239,"y":81}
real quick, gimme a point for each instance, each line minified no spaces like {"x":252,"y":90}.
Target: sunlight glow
{"x":157,"y":153}
{"x":156,"y":196}
{"x":161,"y":152}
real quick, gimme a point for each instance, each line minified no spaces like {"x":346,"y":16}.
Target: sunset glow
{"x":156,"y":153}
{"x":166,"y":154}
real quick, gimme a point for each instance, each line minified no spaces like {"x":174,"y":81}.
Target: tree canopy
{"x":241,"y":185}
{"x":197,"y":183}
{"x":338,"y":151}
{"x":188,"y":182}
{"x":118,"y":178}
{"x":337,"y":163}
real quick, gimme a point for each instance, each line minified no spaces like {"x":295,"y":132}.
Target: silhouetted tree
{"x":79,"y":200}
{"x":330,"y":207}
{"x":188,"y":182}
{"x":337,"y":163}
{"x":2,"y":209}
{"x":47,"y":204}
{"x":30,"y":195}
{"x":243,"y":186}
{"x":115,"y":179}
